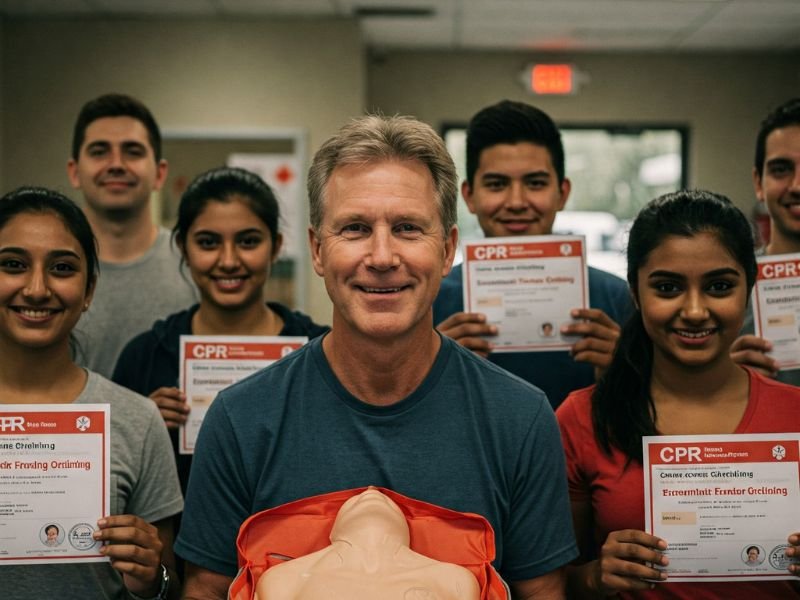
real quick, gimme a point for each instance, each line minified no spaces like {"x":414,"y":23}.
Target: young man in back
{"x":776,"y":179}
{"x":116,"y":163}
{"x":515,"y":186}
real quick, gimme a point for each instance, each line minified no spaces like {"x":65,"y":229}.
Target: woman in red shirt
{"x":691,"y":267}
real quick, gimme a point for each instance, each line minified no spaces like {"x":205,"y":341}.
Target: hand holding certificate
{"x":211,"y":363}
{"x":54,"y":482}
{"x":776,"y":306}
{"x":134,"y":548}
{"x":725,"y":504}
{"x":526,"y":287}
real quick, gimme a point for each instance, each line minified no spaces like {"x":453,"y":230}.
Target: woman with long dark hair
{"x":228,"y":234}
{"x":48,"y":270}
{"x":691,"y":267}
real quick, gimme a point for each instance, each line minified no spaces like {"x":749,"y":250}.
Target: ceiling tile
{"x":605,"y":25}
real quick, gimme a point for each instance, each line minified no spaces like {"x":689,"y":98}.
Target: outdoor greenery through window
{"x":614,"y":172}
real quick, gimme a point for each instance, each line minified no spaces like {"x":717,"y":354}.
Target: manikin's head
{"x":368,"y":512}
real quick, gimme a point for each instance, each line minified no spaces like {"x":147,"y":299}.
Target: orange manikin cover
{"x":301,"y":527}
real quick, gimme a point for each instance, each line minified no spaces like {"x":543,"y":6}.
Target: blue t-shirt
{"x":471,"y":437}
{"x":555,"y":373}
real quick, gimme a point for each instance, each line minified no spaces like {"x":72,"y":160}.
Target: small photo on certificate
{"x":725,"y":504}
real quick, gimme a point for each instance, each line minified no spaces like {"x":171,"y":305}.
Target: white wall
{"x":192,"y":74}
{"x":722,"y":98}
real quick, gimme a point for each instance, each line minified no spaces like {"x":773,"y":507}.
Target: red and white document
{"x":527,"y":286}
{"x":209,"y":364}
{"x":776,"y":306}
{"x":725,"y":504}
{"x":54,"y":482}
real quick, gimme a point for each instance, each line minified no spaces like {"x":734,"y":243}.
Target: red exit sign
{"x":550,"y":79}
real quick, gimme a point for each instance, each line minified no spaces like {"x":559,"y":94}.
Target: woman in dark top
{"x":227,"y":231}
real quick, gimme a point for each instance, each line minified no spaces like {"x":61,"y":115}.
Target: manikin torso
{"x":369,"y":557}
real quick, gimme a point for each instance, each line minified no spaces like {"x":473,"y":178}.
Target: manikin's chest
{"x":350,"y":586}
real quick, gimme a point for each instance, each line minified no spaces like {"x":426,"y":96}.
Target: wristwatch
{"x":162,"y":592}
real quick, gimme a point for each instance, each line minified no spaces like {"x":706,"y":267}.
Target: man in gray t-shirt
{"x":116,"y":163}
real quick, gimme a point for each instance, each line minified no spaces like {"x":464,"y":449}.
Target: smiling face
{"x":229,"y":252}
{"x":515,"y":190}
{"x":779,"y":187}
{"x":116,"y":168}
{"x":692,"y":295}
{"x":381,"y":248}
{"x":44,"y":283}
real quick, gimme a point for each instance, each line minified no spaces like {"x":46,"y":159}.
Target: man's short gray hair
{"x":373,"y":139}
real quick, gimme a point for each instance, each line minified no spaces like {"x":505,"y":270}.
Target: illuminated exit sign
{"x":551,"y":79}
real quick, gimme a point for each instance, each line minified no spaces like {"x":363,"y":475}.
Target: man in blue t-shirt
{"x":383,"y":399}
{"x":515,"y":186}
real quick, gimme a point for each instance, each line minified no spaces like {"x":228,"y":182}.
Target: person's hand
{"x":622,"y":565}
{"x":751,"y":350}
{"x":171,"y":403}
{"x":467,"y":329}
{"x":134,"y":548}
{"x":793,"y":551}
{"x":599,"y":337}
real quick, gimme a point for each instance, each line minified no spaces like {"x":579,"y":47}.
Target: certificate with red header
{"x":526,"y":286}
{"x":776,"y":306}
{"x":725,"y":504}
{"x":210,"y":363}
{"x":54,"y":482}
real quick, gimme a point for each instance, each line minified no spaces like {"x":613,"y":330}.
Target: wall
{"x":198,"y":74}
{"x":722,"y":98}
{"x":205,"y":74}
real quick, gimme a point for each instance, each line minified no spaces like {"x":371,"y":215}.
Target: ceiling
{"x":542,"y":25}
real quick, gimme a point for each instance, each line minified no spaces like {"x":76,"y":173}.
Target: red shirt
{"x":616,"y":493}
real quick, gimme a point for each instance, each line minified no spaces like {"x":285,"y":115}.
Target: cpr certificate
{"x":526,"y":286}
{"x":209,"y":364}
{"x":54,"y":482}
{"x":725,"y":504}
{"x":776,"y":306}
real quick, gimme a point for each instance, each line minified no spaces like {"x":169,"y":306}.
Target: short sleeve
{"x":218,"y":499}
{"x":156,"y":494}
{"x":540,"y":511}
{"x":573,"y":437}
